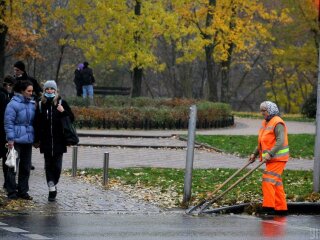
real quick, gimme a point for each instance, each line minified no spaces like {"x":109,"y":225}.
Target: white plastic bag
{"x":12,"y":156}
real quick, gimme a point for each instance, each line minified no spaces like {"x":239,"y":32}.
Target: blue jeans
{"x":87,"y":90}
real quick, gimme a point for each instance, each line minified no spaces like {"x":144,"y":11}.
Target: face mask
{"x":49,"y":95}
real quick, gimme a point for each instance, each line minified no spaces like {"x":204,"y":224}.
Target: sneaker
{"x":52,"y":196}
{"x":26,"y":197}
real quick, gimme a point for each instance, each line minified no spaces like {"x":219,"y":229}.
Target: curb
{"x":306,"y":208}
{"x":124,"y":135}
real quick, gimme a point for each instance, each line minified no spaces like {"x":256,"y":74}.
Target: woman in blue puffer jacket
{"x":18,"y":125}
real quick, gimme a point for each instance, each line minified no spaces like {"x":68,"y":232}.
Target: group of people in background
{"x":30,"y":116}
{"x":84,"y":80}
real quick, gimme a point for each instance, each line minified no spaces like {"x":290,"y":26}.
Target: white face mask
{"x":49,"y":95}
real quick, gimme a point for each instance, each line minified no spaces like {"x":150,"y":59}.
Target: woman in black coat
{"x":49,"y":133}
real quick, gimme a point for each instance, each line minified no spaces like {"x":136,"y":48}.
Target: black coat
{"x":4,"y":100}
{"x":37,"y":90}
{"x":77,"y":78}
{"x":87,"y":77}
{"x":48,"y":127}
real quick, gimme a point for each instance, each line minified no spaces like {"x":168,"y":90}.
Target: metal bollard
{"x":105,"y":168}
{"x":74,"y":160}
{"x":190,"y":154}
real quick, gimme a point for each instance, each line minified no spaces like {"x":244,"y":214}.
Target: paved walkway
{"x":166,"y":151}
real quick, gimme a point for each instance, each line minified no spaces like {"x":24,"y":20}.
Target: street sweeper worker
{"x":273,"y":147}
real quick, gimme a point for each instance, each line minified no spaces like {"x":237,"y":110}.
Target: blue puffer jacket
{"x":18,"y":119}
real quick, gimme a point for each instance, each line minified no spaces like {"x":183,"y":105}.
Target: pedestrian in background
{"x":49,"y":133}
{"x":78,"y":80}
{"x":5,"y":96}
{"x":87,"y":81}
{"x":18,"y":125}
{"x":20,"y":74}
{"x":272,"y":146}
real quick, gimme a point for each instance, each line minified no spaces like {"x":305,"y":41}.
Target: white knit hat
{"x":50,"y":84}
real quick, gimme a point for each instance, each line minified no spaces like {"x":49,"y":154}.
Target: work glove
{"x":267,"y":157}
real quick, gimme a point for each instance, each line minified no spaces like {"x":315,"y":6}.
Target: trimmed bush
{"x":145,"y":113}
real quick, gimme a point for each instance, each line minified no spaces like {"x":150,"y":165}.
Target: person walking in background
{"x":49,"y":133}
{"x":18,"y":125}
{"x":272,"y":146}
{"x":20,"y":74}
{"x":77,"y":79}
{"x":5,"y":96}
{"x":87,"y":81}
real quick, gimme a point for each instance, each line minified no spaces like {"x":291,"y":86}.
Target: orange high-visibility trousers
{"x":272,"y":187}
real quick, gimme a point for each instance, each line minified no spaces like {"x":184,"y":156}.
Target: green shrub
{"x":147,"y":113}
{"x":309,"y":108}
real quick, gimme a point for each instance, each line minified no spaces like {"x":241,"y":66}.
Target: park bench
{"x":124,"y":91}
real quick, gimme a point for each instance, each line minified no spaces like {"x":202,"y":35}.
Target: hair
{"x":22,"y":85}
{"x":20,"y":65}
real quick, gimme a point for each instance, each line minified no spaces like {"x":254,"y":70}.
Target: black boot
{"x":267,"y":211}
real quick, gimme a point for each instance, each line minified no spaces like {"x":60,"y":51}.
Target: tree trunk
{"x":137,"y":81}
{"x":137,"y":71}
{"x":225,"y":76}
{"x":3,"y":34}
{"x":62,"y":48}
{"x":225,"y":65}
{"x":210,"y":63}
{"x":213,"y":86}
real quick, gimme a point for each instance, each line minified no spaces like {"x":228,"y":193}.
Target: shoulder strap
{"x":40,"y":106}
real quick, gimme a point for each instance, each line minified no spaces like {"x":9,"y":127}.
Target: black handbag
{"x":69,"y":131}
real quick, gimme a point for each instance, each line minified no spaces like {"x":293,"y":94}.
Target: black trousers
{"x":53,"y":167}
{"x":79,"y":91}
{"x":23,"y":169}
{"x":3,"y":155}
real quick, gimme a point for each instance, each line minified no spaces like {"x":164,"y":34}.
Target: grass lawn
{"x":165,"y":185}
{"x":301,"y":145}
{"x":298,"y":184}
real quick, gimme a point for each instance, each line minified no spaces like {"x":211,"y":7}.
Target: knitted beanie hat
{"x":9,"y":79}
{"x":50,"y":84}
{"x":20,"y":65}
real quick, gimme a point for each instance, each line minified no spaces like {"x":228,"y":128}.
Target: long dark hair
{"x":22,"y":85}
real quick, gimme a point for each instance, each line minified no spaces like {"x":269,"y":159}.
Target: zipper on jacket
{"x":51,"y":131}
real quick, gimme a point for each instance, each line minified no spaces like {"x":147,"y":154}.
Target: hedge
{"x":119,"y":112}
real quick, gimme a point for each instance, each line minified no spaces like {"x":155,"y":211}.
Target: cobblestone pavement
{"x":77,"y":196}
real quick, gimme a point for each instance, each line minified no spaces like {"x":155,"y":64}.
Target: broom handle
{"x":231,"y":177}
{"x":231,"y":187}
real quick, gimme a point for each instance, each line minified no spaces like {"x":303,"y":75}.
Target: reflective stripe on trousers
{"x":272,"y":187}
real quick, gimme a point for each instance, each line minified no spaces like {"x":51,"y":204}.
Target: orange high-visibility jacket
{"x":267,"y":140}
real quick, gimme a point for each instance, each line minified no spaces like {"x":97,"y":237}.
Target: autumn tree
{"x":3,"y":34}
{"x":22,"y":24}
{"x":116,"y":31}
{"x":293,"y":56}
